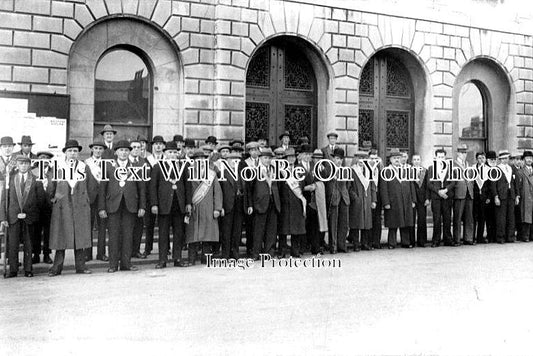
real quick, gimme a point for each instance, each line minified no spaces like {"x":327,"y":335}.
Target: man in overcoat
{"x":231,"y":219}
{"x":70,"y":227}
{"x":169,"y":202}
{"x":506,"y":195}
{"x":480,"y":187}
{"x":41,"y":232}
{"x":293,"y":210}
{"x":398,"y":198}
{"x":526,"y":194}
{"x":363,"y":200}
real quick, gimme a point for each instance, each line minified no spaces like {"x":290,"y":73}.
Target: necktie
{"x":22,"y":184}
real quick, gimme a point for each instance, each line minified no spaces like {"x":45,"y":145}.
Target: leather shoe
{"x":131,"y":268}
{"x":142,"y":256}
{"x":53,"y":274}
{"x":85,"y":271}
{"x":111,"y":270}
{"x":160,"y":265}
{"x":47,"y":260}
{"x":147,"y":253}
{"x":435,"y":245}
{"x":28,"y":274}
{"x":102,"y":258}
{"x":180,"y":264}
{"x":10,"y":275}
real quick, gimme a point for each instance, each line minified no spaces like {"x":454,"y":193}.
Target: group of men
{"x":210,"y":215}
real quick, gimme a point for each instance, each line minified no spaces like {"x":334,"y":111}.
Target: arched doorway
{"x":386,"y":104}
{"x":281,"y":93}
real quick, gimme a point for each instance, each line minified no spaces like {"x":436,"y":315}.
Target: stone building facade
{"x":391,"y":72}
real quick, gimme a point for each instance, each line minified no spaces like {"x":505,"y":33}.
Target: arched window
{"x":123,"y":92}
{"x":472,"y":119}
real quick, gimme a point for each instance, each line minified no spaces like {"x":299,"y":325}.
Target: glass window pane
{"x":471,"y":119}
{"x":122,"y":88}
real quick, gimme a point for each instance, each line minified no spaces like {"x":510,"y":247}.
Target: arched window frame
{"x":149,"y":67}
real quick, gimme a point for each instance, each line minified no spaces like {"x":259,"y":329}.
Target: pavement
{"x":469,"y":300}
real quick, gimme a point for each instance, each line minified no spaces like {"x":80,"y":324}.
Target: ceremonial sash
{"x":320,"y":199}
{"x":295,"y":187}
{"x":508,"y":172}
{"x":364,"y":180}
{"x":95,"y":168}
{"x":201,"y":191}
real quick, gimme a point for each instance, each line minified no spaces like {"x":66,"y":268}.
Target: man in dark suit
{"x":441,"y":194}
{"x":378,"y":211}
{"x":490,"y":206}
{"x":95,"y":167}
{"x":516,"y":165}
{"x":480,"y":199}
{"x":8,"y":163}
{"x":264,"y":202}
{"x":252,"y":161}
{"x":526,"y":194}
{"x":138,"y":161}
{"x":463,"y":202}
{"x":24,"y":201}
{"x":169,"y":201}
{"x":41,"y":232}
{"x":422,"y":201}
{"x":121,"y":199}
{"x":332,"y":137}
{"x":230,"y":224}
{"x":108,"y":133}
{"x":338,"y":202}
{"x":506,"y":195}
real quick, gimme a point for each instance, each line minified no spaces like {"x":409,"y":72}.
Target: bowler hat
{"x":171,"y":145}
{"x":211,"y":139}
{"x":306,"y":148}
{"x":236,"y":142}
{"x":395,"y":152}
{"x":366,"y":146}
{"x":97,"y":142}
{"x":178,"y":138}
{"x":72,"y":144}
{"x":527,"y":154}
{"x":338,"y":152}
{"x":491,"y":155}
{"x":158,"y":139}
{"x":122,"y":144}
{"x":189,"y":142}
{"x":7,"y":140}
{"x":237,"y":147}
{"x":26,"y":140}
{"x":286,"y":133}
{"x":224,"y":147}
{"x":108,"y":128}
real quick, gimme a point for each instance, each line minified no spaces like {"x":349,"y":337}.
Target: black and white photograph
{"x":267,"y":177}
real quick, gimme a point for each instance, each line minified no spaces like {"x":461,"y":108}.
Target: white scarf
{"x":508,"y":173}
